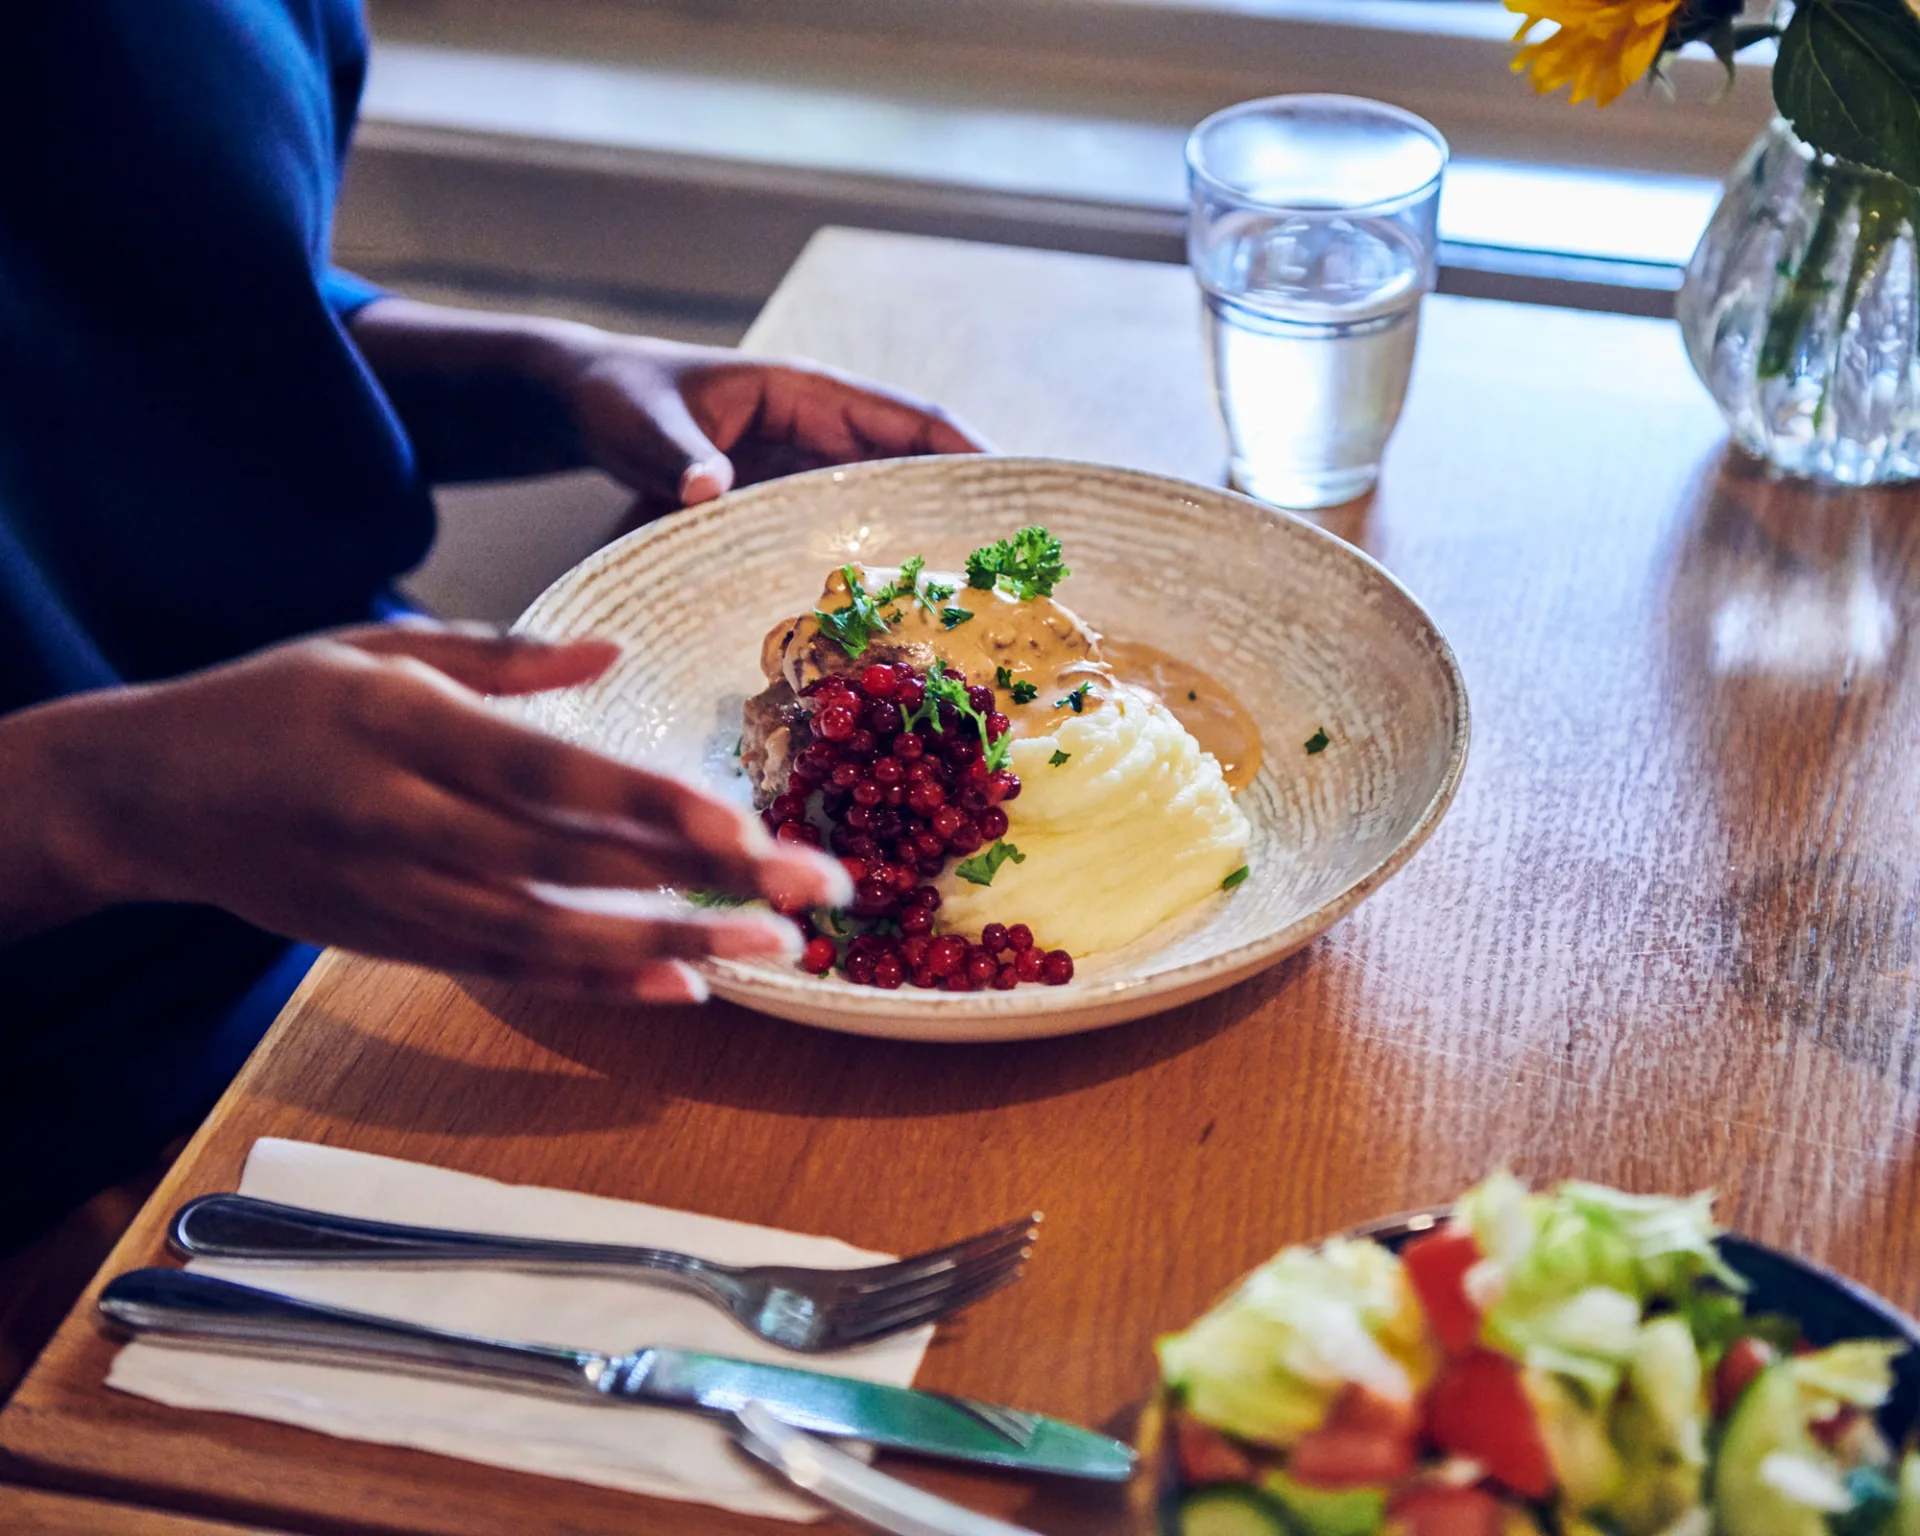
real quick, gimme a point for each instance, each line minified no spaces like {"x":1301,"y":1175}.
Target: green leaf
{"x":1848,"y":79}
{"x":953,"y":618}
{"x":1058,"y":758}
{"x":1024,"y":693}
{"x":715,"y":899}
{"x":1002,"y":678}
{"x":1027,"y":565}
{"x":1317,"y":742}
{"x":982,"y":867}
{"x":1075,"y":701}
{"x":852,"y":626}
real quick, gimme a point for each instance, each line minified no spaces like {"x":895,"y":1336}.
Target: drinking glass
{"x":1313,"y":234}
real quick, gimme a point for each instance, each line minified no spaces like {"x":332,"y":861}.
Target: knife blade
{"x":898,"y":1418}
{"x":181,"y":1304}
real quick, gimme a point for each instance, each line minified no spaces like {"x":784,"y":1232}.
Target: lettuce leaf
{"x":1567,"y":1275}
{"x":1267,"y":1363}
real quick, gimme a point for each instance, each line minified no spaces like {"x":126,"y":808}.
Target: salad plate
{"x":1360,"y":707}
{"x":1577,"y":1362}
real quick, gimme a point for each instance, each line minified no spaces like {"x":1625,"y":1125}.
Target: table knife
{"x":179,"y":1304}
{"x":851,"y":1486}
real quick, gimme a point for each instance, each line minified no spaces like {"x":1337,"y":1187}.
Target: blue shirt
{"x":194,"y":459}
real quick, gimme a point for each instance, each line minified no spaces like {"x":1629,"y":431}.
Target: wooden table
{"x":32,"y":1512}
{"x":1666,"y":937}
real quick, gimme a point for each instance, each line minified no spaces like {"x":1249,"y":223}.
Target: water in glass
{"x":1311,"y":323}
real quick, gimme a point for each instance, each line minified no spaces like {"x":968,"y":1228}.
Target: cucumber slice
{"x":1768,"y":1420}
{"x":1328,"y":1511}
{"x":1231,"y":1509}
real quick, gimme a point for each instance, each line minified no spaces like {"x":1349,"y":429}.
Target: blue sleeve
{"x":347,"y":295}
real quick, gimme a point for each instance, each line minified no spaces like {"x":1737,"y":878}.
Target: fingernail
{"x":794,"y":875}
{"x":701,"y":482}
{"x":672,"y":982}
{"x":745,"y":940}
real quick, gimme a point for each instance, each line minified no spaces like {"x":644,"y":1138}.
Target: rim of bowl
{"x":747,"y":984}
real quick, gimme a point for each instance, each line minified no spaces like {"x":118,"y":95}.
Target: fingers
{"x":573,"y":796}
{"x":487,"y":661}
{"x":641,"y":430}
{"x":542,"y":933}
{"x":854,"y":418}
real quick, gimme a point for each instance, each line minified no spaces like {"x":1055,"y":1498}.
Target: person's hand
{"x":682,"y":424}
{"x":353,"y":789}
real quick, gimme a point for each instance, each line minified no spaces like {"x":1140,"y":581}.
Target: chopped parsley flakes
{"x":868,"y":614}
{"x":1235,"y":878}
{"x":1028,"y":565}
{"x":1058,"y":758}
{"x":1023,"y":692}
{"x":982,"y":867}
{"x":1317,"y":742}
{"x":1075,"y":701}
{"x":953,"y":618}
{"x":1192,"y":695}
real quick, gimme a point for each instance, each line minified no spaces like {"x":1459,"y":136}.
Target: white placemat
{"x":645,"y":1450}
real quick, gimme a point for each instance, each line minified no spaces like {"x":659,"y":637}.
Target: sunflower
{"x":1601,"y":46}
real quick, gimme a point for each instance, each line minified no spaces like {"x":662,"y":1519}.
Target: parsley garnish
{"x":1235,"y":878}
{"x":942,"y":689}
{"x":1058,"y":758}
{"x":1075,"y":701}
{"x":715,"y":899}
{"x":855,"y":625}
{"x":1023,"y":692}
{"x":953,"y":618}
{"x":1027,"y":565}
{"x":982,"y":867}
{"x":1191,"y":694}
{"x":1317,"y":742}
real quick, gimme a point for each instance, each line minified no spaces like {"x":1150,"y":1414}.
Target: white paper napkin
{"x":645,"y":1450}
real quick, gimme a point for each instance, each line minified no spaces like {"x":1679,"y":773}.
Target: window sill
{"x":613,"y":145}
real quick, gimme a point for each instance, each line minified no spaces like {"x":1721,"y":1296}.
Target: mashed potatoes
{"x":1136,"y":826}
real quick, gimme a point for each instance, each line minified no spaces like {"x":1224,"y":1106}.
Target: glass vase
{"x":1801,"y":315}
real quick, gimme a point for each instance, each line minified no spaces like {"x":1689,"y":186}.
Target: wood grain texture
{"x":1666,"y":937}
{"x":32,"y":1512}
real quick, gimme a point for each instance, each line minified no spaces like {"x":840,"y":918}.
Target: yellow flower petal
{"x":1598,"y":47}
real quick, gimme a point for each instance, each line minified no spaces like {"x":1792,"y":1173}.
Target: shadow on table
{"x":722,"y":1054}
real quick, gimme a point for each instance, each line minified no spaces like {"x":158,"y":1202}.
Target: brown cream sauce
{"x":1038,"y":642}
{"x":1213,"y":716}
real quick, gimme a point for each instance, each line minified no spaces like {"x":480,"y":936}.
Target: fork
{"x":809,"y":1311}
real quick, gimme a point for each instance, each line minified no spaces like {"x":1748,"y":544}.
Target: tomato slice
{"x":1361,"y":1407}
{"x":1437,"y":1264}
{"x":1207,"y":1456}
{"x":1478,"y":1408}
{"x":1367,"y":1440}
{"x":1349,"y":1458}
{"x":1434,"y":1511}
{"x":1746,"y":1358}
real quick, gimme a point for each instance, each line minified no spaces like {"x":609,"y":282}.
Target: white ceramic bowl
{"x":1307,"y":632}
